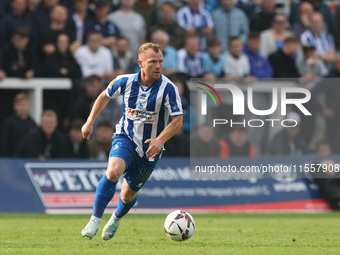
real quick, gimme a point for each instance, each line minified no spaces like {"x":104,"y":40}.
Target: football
{"x":179,"y":225}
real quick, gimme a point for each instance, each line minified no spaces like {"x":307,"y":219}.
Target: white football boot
{"x":91,"y":228}
{"x":110,"y":228}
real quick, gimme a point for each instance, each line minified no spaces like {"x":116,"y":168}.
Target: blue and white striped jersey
{"x":146,"y":110}
{"x":322,"y":43}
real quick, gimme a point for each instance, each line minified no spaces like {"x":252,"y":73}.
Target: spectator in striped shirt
{"x":319,"y":39}
{"x":196,"y":21}
{"x":189,"y":59}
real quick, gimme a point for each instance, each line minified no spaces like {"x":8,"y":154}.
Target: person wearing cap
{"x":289,"y":140}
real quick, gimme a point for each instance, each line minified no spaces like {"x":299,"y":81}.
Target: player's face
{"x":151,"y":64}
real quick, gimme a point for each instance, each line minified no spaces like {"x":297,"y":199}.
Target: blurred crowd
{"x":93,"y":41}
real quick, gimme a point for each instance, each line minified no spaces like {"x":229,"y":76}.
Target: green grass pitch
{"x":273,"y":234}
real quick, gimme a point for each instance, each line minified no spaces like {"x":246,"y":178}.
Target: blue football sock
{"x":123,"y":208}
{"x":104,"y":193}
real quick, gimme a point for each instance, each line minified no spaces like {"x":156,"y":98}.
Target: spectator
{"x":32,"y":5}
{"x":323,"y":148}
{"x":204,"y":144}
{"x":259,"y":65}
{"x":177,"y":146}
{"x":196,"y":21}
{"x":100,"y":146}
{"x":319,"y":39}
{"x":58,"y":26}
{"x":318,"y":6}
{"x":20,"y":17}
{"x":61,"y":63}
{"x":189,"y":112}
{"x":123,"y":59}
{"x":236,"y":62}
{"x":112,"y":112}
{"x":300,"y":26}
{"x":289,"y":140}
{"x":4,"y":7}
{"x":42,"y":19}
{"x":213,"y":59}
{"x":331,"y":110}
{"x":80,"y":16}
{"x":190,"y":61}
{"x":19,"y":58}
{"x":43,"y":142}
{"x":168,"y":24}
{"x":130,"y":23}
{"x":309,"y":65}
{"x":148,"y":9}
{"x":94,"y":58}
{"x":272,"y":39}
{"x":229,"y":21}
{"x":263,"y":19}
{"x":17,"y":126}
{"x":85,"y":101}
{"x":237,"y":143}
{"x":169,"y":53}
{"x":99,"y":23}
{"x":74,"y":146}
{"x":248,"y":6}
{"x":282,"y":60}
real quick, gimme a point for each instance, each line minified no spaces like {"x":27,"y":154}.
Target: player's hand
{"x":86,"y":130}
{"x":154,"y":147}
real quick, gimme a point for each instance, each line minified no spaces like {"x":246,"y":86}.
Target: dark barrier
{"x":69,"y":186}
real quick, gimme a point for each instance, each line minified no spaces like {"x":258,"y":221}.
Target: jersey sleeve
{"x":114,"y":89}
{"x":173,"y":102}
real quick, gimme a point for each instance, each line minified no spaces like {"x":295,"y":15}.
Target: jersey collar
{"x":156,"y":83}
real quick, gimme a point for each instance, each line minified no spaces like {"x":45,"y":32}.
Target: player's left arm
{"x":156,"y":144}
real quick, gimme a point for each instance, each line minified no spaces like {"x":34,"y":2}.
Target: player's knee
{"x":112,"y":174}
{"x":115,"y":169}
{"x":127,"y":197}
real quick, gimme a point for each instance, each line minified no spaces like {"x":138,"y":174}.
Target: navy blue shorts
{"x":137,"y":169}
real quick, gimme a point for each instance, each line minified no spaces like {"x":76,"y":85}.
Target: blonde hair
{"x":49,"y":113}
{"x":144,"y":47}
{"x":20,"y":97}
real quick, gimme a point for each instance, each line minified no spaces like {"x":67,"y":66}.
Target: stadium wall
{"x":64,"y":186}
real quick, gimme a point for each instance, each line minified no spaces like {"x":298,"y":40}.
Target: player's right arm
{"x":100,"y":103}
